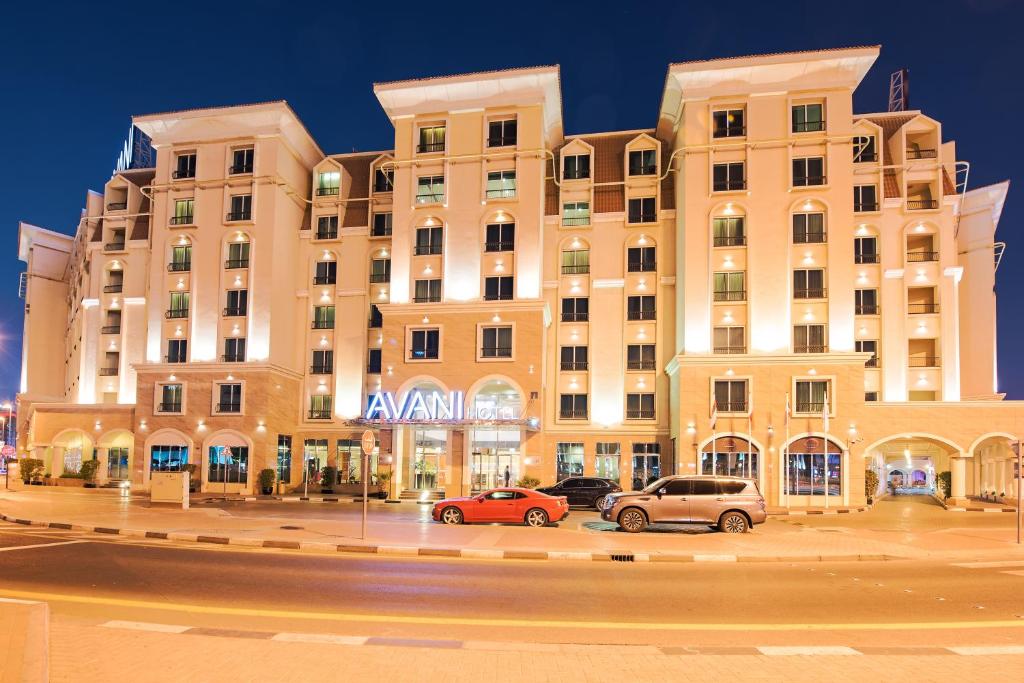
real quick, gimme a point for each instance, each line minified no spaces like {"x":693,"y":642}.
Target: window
{"x":323,"y":317}
{"x":808,"y":228}
{"x":322,"y":363}
{"x":170,"y":398}
{"x":640,"y":308}
{"x":327,"y":228}
{"x":808,"y":118}
{"x":867,"y":301}
{"x":284,"y":458}
{"x":241,"y":207}
{"x":186,"y":166}
{"x":809,"y":284}
{"x":864,"y":149}
{"x":237,"y":302}
{"x":807,"y":471}
{"x":376,"y":319}
{"x":497,"y":342}
{"x":373,"y":358}
{"x":113,"y":321}
{"x":868,"y":346}
{"x":230,"y":398}
{"x":730,"y":286}
{"x":234,"y":350}
{"x":381,"y":224}
{"x":314,"y":455}
{"x":425,"y":344}
{"x":729,"y":176}
{"x":427,"y":291}
{"x":428,"y":240}
{"x":572,"y":406}
{"x":350,"y":462}
{"x":809,"y":339}
{"x":184,"y":211}
{"x":639,"y":406}
{"x":568,"y":460}
{"x":606,"y":463}
{"x":380,"y":270}
{"x":320,"y":408}
{"x":431,"y":139}
{"x":177,"y":350}
{"x":573,"y":358}
{"x":646,"y":464}
{"x":115,"y":281}
{"x":808,"y":171}
{"x":865,"y":250}
{"x":181,"y":259}
{"x":238,"y":255}
{"x":576,"y":167}
{"x":731,"y":395}
{"x":643,"y":162}
{"x":640,"y":357}
{"x":728,"y":123}
{"x":430,"y":189}
{"x":167,"y":458}
{"x":576,"y":213}
{"x":179,"y":305}
{"x":112,"y":360}
{"x":500,"y":237}
{"x":729,"y":231}
{"x":117,"y":241}
{"x":326,"y":273}
{"x":811,"y":395}
{"x":241,"y":160}
{"x":228,"y":465}
{"x":641,"y":259}
{"x":329,"y":183}
{"x":498,"y":288}
{"x":575,"y":309}
{"x":865,"y":198}
{"x":642,"y":210}
{"x":501,"y":184}
{"x":729,"y":339}
{"x":501,"y":133}
{"x":575,"y":262}
{"x":384,"y":180}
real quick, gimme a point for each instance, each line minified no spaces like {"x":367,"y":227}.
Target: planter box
{"x":357,"y":489}
{"x":73,"y":483}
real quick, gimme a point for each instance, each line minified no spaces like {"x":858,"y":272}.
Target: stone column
{"x":958,"y":471}
{"x":1000,"y":467}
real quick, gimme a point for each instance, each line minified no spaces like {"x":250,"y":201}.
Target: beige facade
{"x":498,"y":299}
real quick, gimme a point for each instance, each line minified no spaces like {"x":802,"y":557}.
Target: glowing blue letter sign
{"x":416,"y":406}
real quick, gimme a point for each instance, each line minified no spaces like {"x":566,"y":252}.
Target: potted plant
{"x":945,"y":483}
{"x":88,"y":473}
{"x":31,"y":469}
{"x":191,"y":468}
{"x":328,"y":477}
{"x":526,"y":482}
{"x":384,"y":481}
{"x":870,"y":485}
{"x":267,"y":478}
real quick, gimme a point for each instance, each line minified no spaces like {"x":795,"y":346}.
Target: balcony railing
{"x":376,"y":278}
{"x":323,"y":325}
{"x":498,"y":296}
{"x":110,"y":329}
{"x":576,"y":220}
{"x":325,"y":279}
{"x":810,"y":407}
{"x":865,"y":157}
{"x":920,"y":204}
{"x":808,"y":126}
{"x":865,"y":258}
{"x":924,"y":361}
{"x":501,"y":193}
{"x":430,"y":299}
{"x":182,"y":174}
{"x":428,"y":147}
{"x":914,"y":154}
{"x":234,"y":311}
{"x":496,"y":352}
{"x":233,"y":263}
{"x":499,"y":246}
{"x":872,"y":362}
{"x":117,"y":206}
{"x":238,"y":169}
{"x":179,"y":266}
{"x":730,"y":132}
{"x":730,"y":349}
{"x":866,"y":309}
{"x":429,"y":198}
{"x":731,"y":241}
{"x":922,"y":256}
{"x":642,"y":218}
{"x":233,"y":358}
{"x":501,"y":141}
{"x":575,"y":317}
{"x":729,"y":185}
{"x":731,"y":295}
{"x":229,"y":407}
{"x":326,"y":191}
{"x":813,"y":293}
{"x":108,"y":372}
{"x":177,"y":313}
{"x":175,"y":358}
{"x":923,"y":308}
{"x":112,"y":289}
{"x":372,"y":369}
{"x":639,"y":414}
{"x":572,"y":414}
{"x":642,"y":266}
{"x":427,"y":249}
{"x":113,"y":246}
{"x":866,"y":206}
{"x":640,"y":365}
{"x":643,"y":169}
{"x":808,"y":349}
{"x":326,"y":234}
{"x":378,"y":231}
{"x":574,"y":365}
{"x":576,"y":269}
{"x":239,"y":216}
{"x":808,"y":180}
{"x":804,"y":237}
{"x":640,"y":315}
{"x":319,"y":414}
{"x":322,"y":369}
{"x":732,"y":407}
{"x":182,"y":220}
{"x":169,"y":408}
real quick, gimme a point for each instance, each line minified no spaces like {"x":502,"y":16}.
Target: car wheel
{"x":451,"y":516}
{"x":536,"y":517}
{"x":633,"y":520}
{"x":733,"y":523}
{"x":599,"y":503}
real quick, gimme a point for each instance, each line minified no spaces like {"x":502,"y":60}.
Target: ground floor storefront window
{"x":350,"y":462}
{"x":427,"y":462}
{"x":494,"y":459}
{"x":568,"y":460}
{"x":167,"y":458}
{"x":228,"y":465}
{"x":284,"y":458}
{"x":117,"y":463}
{"x":646,"y":464}
{"x":810,"y":471}
{"x":314,"y":455}
{"x":606,"y":464}
{"x":729,"y":456}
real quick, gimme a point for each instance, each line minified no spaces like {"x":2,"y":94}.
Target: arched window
{"x":810,"y":461}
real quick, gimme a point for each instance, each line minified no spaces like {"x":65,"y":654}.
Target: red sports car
{"x":503,"y":505}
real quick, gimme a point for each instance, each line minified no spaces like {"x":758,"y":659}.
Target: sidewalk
{"x":338,"y":530}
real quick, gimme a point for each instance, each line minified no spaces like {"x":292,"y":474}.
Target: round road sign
{"x":368,"y":441}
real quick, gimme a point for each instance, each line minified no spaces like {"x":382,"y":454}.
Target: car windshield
{"x":651,"y":488}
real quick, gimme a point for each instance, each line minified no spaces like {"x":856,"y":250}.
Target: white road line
{"x":798,"y":650}
{"x":39,"y":545}
{"x":989,"y":650}
{"x":989,"y":565}
{"x":145,"y":626}
{"x":1019,"y":572}
{"x":319,"y":638}
{"x":714,"y":558}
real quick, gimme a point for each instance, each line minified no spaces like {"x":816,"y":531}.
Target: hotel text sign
{"x":416,"y":405}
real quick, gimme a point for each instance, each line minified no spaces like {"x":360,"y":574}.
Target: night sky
{"x":72,"y":75}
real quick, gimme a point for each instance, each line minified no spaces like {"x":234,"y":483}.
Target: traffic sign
{"x":368,"y":441}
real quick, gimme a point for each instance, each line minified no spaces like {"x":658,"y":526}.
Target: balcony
{"x":229,"y":407}
{"x":169,"y":408}
{"x":376,"y":278}
{"x":321,"y":369}
{"x":319,"y":414}
{"x":113,"y":289}
{"x":866,"y":309}
{"x":808,"y":349}
{"x":640,"y":315}
{"x":576,"y":220}
{"x":575,"y":317}
{"x":110,"y":329}
{"x":235,"y":263}
{"x":239,"y":216}
{"x":731,"y":295}
{"x":179,"y":266}
{"x":499,"y":246}
{"x":233,"y":358}
{"x":731,"y":241}
{"x":326,"y":234}
{"x":183,"y":174}
{"x":923,"y":361}
{"x":640,"y":365}
{"x":917,"y":154}
{"x":639,"y":414}
{"x":642,"y":266}
{"x":234,"y":311}
{"x":575,"y":365}
{"x":730,"y":349}
{"x":865,"y":206}
{"x":323,"y":325}
{"x":865,"y":258}
{"x":177,"y":313}
{"x":732,"y":407}
{"x":108,"y":372}
{"x":117,"y":206}
{"x":572,"y":415}
{"x":113,"y":246}
{"x":814,"y":293}
{"x":576,"y":269}
{"x":922,"y":309}
{"x":324,"y":279}
{"x":922,"y":256}
{"x":922,"y":204}
{"x":182,"y":220}
{"x":501,"y":193}
{"x":427,"y":249}
{"x":729,"y":185}
{"x":239,"y":169}
{"x":327,"y":191}
{"x":429,"y":147}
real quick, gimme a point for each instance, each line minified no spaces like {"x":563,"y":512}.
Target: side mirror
{"x":662,"y":492}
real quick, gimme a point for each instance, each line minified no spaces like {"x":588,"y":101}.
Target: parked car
{"x":729,"y":504}
{"x":588,"y":491}
{"x":503,"y":505}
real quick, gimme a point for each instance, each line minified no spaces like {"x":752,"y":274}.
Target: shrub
{"x":328,"y":476}
{"x":870,"y":483}
{"x":31,"y":468}
{"x":267,"y":478}
{"x":71,"y":475}
{"x":527,"y":482}
{"x":945,"y":480}
{"x":88,"y":471}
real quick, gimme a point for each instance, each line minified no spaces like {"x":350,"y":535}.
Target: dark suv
{"x":588,"y":491}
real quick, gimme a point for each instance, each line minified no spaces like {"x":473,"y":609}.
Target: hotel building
{"x":765,"y":283}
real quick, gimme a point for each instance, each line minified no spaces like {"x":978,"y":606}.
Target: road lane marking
{"x":523,"y":623}
{"x":714,"y":558}
{"x":39,"y":545}
{"x":798,"y":650}
{"x":145,"y":626}
{"x":1016,"y":573}
{"x":989,"y":565}
{"x":990,"y":650}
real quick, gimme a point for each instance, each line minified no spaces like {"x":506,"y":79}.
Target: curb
{"x":804,"y":513}
{"x":459,"y":553}
{"x":961,"y":508}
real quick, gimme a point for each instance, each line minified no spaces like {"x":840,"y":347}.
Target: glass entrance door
{"x":493,"y":469}
{"x":427,"y":463}
{"x":117,"y":463}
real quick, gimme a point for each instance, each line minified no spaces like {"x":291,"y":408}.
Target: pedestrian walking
{"x":508,"y":476}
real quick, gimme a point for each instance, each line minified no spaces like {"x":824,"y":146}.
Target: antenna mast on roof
{"x":899,"y":91}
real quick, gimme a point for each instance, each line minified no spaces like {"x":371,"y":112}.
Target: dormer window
{"x":864,"y":149}
{"x":329,"y":183}
{"x":576,"y":167}
{"x":643,"y":162}
{"x":384,"y":180}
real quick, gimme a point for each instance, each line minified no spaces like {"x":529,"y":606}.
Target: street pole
{"x":366,"y":494}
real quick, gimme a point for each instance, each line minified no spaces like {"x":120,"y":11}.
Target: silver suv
{"x":728,"y":503}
